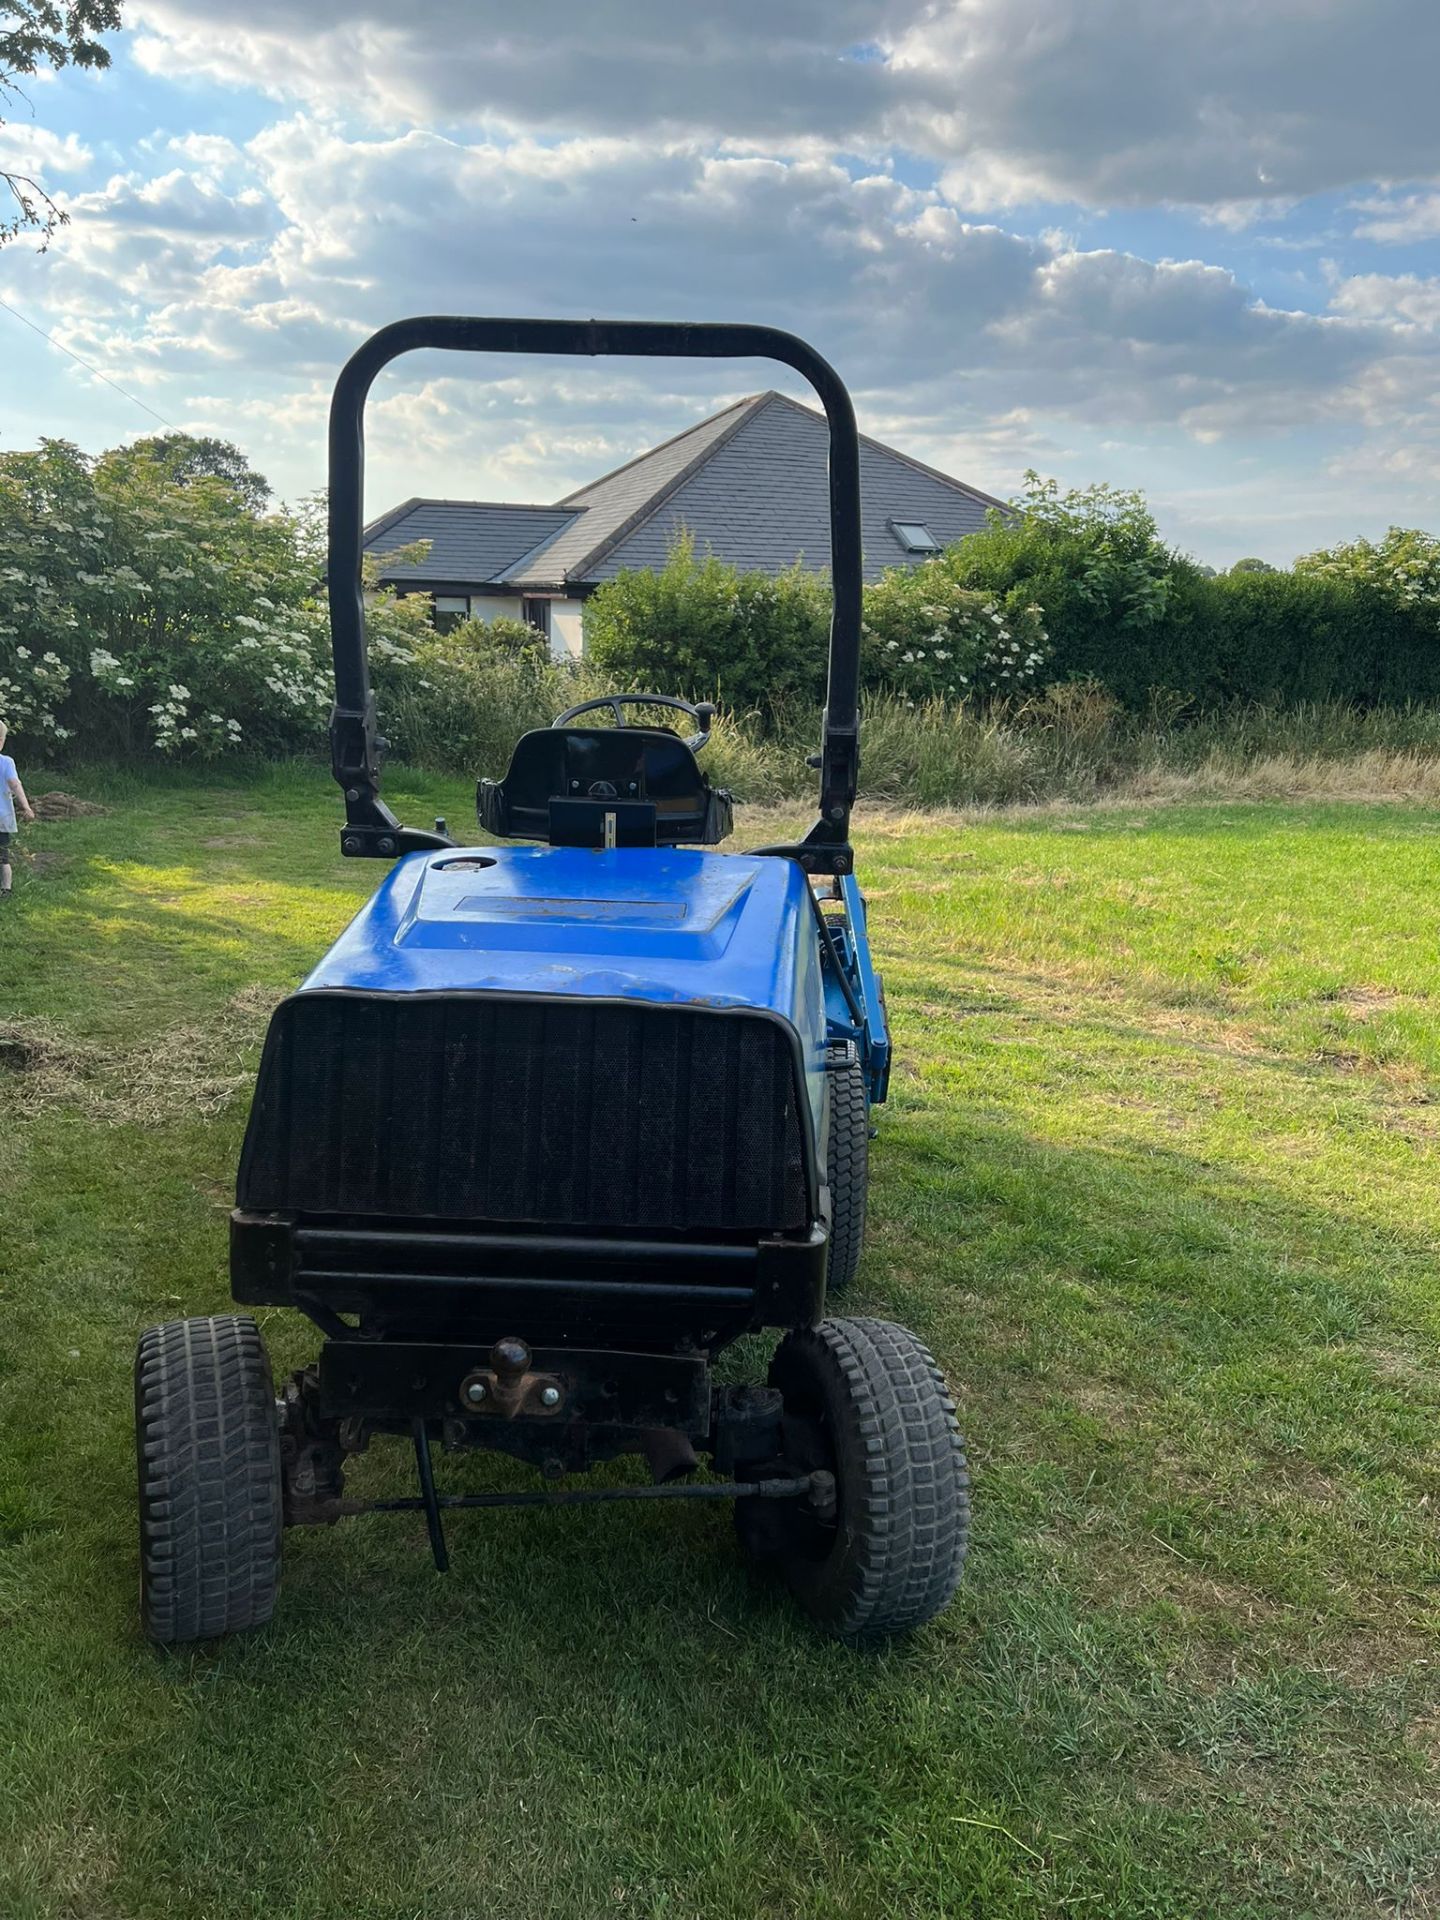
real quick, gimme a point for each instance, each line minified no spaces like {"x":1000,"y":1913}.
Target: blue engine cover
{"x":672,"y":925}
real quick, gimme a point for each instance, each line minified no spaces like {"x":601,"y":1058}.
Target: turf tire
{"x":207,"y":1443}
{"x":884,"y":1417}
{"x":847,"y":1168}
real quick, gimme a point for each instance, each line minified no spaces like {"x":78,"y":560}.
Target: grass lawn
{"x":1157,"y":1182}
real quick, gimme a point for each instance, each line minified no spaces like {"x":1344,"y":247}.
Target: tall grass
{"x":1070,"y":743}
{"x":1074,"y":743}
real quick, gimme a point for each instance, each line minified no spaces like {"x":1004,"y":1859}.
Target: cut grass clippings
{"x":197,"y":1069}
{"x":1157,"y":1182}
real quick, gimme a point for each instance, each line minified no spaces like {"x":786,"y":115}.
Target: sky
{"x":1191,"y":249}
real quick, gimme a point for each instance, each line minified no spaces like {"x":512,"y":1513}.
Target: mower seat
{"x":604,"y":786}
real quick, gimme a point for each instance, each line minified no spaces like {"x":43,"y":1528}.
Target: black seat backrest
{"x":563,"y":781}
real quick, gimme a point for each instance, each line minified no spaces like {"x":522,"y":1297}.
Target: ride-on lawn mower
{"x":554,"y":1124}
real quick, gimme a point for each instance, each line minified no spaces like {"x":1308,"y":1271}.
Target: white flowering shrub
{"x":1405,"y":566}
{"x":926,"y":637}
{"x":140,"y":613}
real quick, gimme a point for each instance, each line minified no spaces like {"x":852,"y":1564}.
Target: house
{"x":749,"y":483}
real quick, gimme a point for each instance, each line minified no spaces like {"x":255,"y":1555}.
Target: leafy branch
{"x":38,"y":35}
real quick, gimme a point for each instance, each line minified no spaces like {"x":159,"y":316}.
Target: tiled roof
{"x":750,"y":484}
{"x":761,"y":499}
{"x":470,"y":540}
{"x":616,"y":503}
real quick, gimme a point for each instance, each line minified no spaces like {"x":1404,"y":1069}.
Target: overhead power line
{"x":88,"y":368}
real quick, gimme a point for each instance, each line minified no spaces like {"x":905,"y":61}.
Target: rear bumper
{"x":566,"y":1288}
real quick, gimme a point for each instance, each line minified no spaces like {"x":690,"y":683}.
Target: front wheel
{"x":207,"y":1443}
{"x":864,"y":1400}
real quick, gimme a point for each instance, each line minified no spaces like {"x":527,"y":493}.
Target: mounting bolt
{"x":351,"y":843}
{"x":837,"y":813}
{"x":385,"y":844}
{"x":476,"y":1393}
{"x":550,"y":1396}
{"x":352,"y":793}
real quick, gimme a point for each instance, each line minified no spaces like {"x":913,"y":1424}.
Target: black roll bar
{"x":356,"y":752}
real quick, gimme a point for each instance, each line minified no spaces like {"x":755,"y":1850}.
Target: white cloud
{"x":1228,"y":104}
{"x":246,"y":276}
{"x":1389,"y":297}
{"x":227,"y":283}
{"x":337,"y":235}
{"x":35,"y":151}
{"x":210,"y":151}
{"x":179,"y":203}
{"x":1400,"y":219}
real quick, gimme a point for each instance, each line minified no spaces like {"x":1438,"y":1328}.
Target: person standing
{"x":12,"y":793}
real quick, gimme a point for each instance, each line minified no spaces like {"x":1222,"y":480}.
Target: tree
{"x":1113,"y":594}
{"x":184,"y":457}
{"x":1253,"y":565}
{"x":141,"y":612}
{"x":37,"y":35}
{"x":927,"y":636}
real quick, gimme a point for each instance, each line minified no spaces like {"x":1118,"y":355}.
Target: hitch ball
{"x":510,"y":1358}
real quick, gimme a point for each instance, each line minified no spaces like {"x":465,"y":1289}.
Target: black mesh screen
{"x":566,"y":1113}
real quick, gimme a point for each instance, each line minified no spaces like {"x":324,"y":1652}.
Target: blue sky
{"x":1195,"y":251}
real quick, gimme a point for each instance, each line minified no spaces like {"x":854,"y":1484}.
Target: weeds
{"x":1071,"y":742}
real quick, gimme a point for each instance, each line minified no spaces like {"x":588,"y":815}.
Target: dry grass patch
{"x":1381,"y":774}
{"x":189,"y":1068}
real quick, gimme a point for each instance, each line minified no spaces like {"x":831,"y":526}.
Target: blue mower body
{"x":671,"y":926}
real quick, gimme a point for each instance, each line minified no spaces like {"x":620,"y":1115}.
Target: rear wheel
{"x":865,"y":1401}
{"x":847,"y":1167}
{"x":207,"y":1442}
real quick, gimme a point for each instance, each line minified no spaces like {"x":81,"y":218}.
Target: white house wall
{"x":567,"y":629}
{"x":487,"y":608}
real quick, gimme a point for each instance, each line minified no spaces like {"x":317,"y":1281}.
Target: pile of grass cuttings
{"x":65,"y":806}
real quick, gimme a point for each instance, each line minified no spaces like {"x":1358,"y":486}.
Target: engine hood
{"x":672,"y":925}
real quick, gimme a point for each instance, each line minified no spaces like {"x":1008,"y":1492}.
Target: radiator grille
{"x":562,"y":1113}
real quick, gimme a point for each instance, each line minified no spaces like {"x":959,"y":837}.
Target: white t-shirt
{"x":7,"y":798}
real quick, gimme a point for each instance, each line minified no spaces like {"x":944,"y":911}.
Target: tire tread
{"x":905,"y":1515}
{"x":208,"y":1460}
{"x":847,"y":1164}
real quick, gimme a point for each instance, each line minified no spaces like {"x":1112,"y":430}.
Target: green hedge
{"x":1360,"y":623}
{"x":1067,"y":587}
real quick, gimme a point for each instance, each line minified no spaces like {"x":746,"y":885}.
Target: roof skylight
{"x":914,"y":536}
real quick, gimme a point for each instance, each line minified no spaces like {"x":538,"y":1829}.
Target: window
{"x":451,"y":610}
{"x":537,"y":614}
{"x":914,"y":536}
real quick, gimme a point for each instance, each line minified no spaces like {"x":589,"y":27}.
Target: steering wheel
{"x":702,"y":714}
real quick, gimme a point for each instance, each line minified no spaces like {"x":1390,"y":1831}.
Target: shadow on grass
{"x":604,"y":1698}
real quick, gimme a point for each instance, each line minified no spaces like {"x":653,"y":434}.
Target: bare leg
{"x":5,"y":877}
